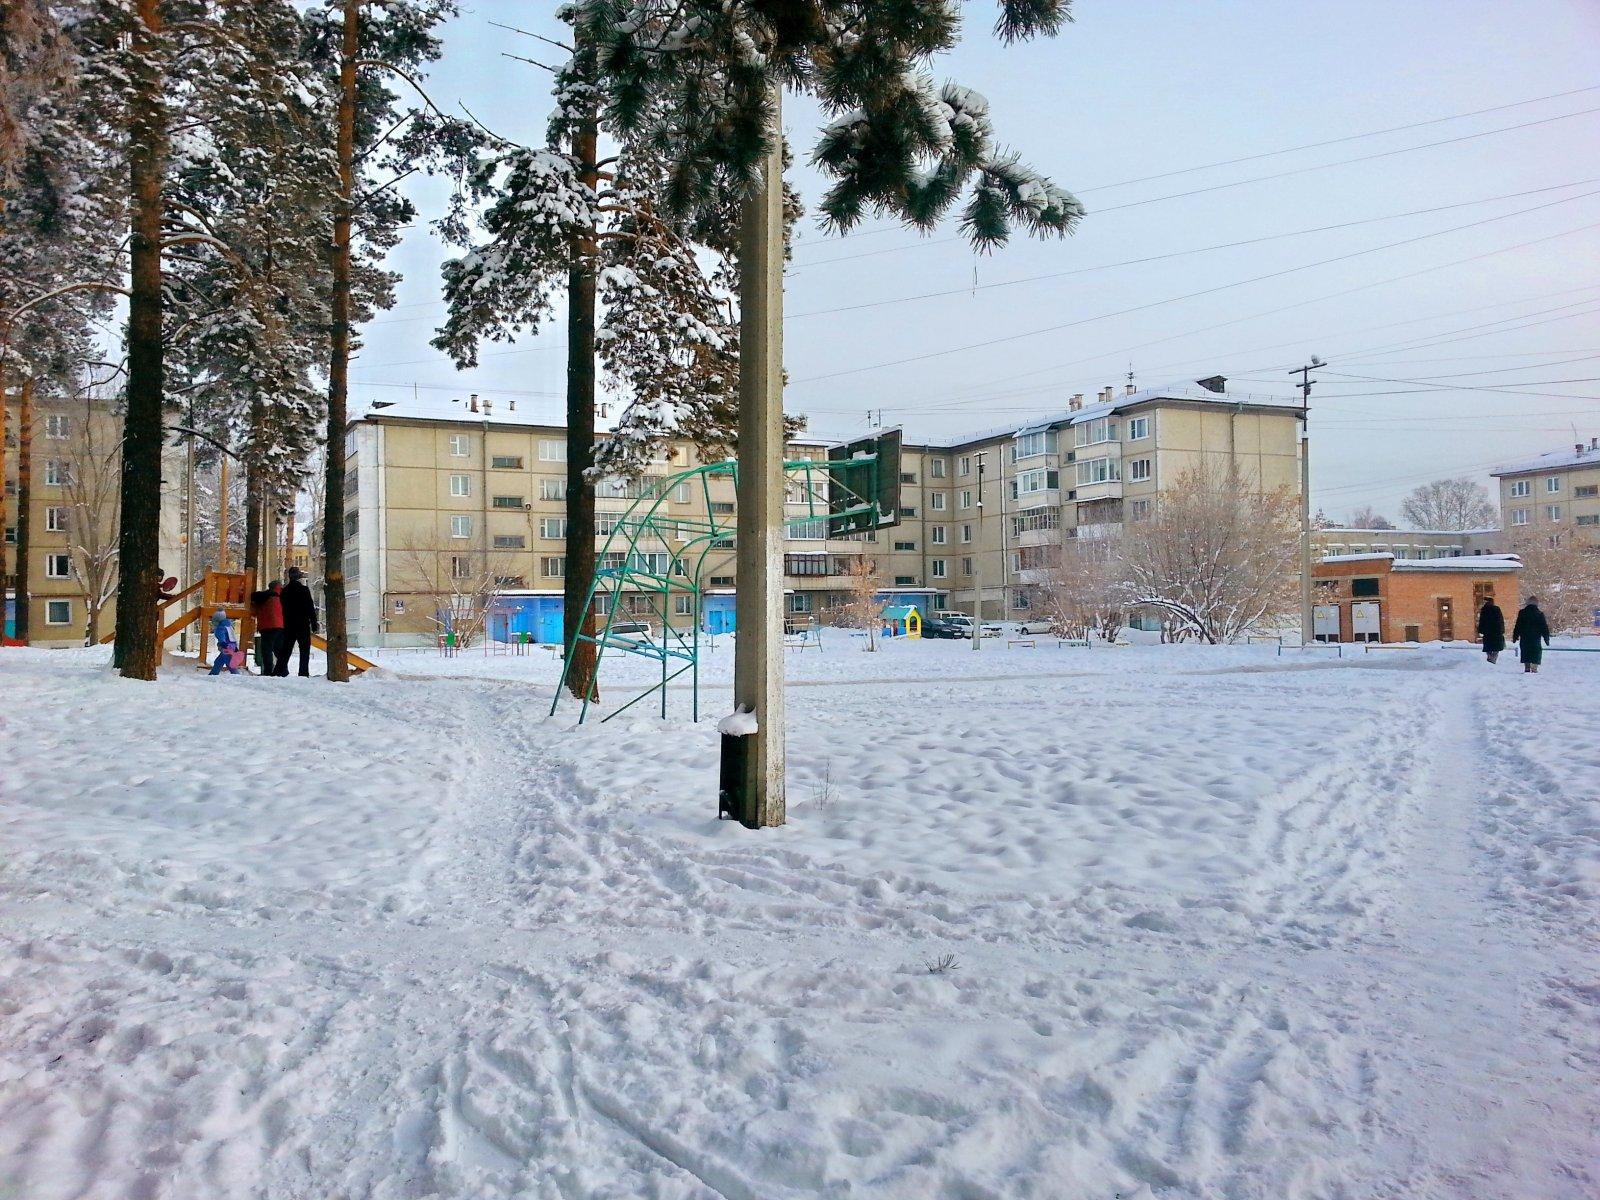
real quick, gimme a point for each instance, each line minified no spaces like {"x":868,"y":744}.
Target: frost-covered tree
{"x":1367,"y":517}
{"x":372,"y":53}
{"x":1452,"y":504}
{"x":695,"y":80}
{"x":92,"y":491}
{"x":1564,"y":572}
{"x":863,"y":605}
{"x":1079,"y":590}
{"x":1217,"y":556}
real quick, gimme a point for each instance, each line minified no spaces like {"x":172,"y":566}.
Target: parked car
{"x":628,"y":628}
{"x":1036,"y":625}
{"x":935,"y":627}
{"x":963,"y":624}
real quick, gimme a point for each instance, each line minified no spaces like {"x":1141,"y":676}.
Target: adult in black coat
{"x":1492,"y":629}
{"x":299,"y":621}
{"x":1531,"y":633}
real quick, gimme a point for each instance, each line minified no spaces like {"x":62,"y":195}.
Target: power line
{"x":1205,"y":292}
{"x":1131,"y":262}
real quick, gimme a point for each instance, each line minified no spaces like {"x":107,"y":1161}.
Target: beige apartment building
{"x":448,"y":502}
{"x":73,"y":491}
{"x":1553,"y":494}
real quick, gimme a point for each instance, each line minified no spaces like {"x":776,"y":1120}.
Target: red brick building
{"x":1378,"y":598}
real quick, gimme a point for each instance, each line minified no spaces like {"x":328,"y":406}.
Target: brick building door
{"x":1447,"y":619}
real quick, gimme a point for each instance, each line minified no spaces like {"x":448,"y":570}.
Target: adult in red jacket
{"x":299,"y":620}
{"x":269,"y":628}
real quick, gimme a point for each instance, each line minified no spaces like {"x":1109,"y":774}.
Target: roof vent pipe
{"x":474,"y":402}
{"x":1076,"y":402}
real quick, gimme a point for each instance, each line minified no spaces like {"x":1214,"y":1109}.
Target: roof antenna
{"x":1130,"y":376}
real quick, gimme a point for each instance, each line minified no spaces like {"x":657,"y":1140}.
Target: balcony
{"x":1110,"y":489}
{"x":1042,"y":535}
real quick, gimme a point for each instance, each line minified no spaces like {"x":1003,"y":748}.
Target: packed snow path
{"x":1164,"y":922}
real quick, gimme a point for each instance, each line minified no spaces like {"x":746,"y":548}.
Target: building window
{"x":1552,"y":512}
{"x":57,"y":427}
{"x":57,"y":472}
{"x":1586,"y":491}
{"x":509,"y":541}
{"x":908,"y":477}
{"x":1033,"y":481}
{"x":964,"y":465}
{"x":966,"y":566}
{"x":938,"y":535}
{"x":461,"y":485}
{"x":936,"y":468}
{"x":507,"y":462}
{"x":58,"y":612}
{"x":1138,"y":427}
{"x":938,"y":568}
{"x":1553,"y":483}
{"x":1030,"y":444}
{"x":1098,"y":470}
{"x":1139,"y":510}
{"x":1519,"y":516}
{"x":907,"y":511}
{"x":552,"y":489}
{"x":905,"y":581}
{"x":966,"y":498}
{"x":553,"y":527}
{"x":57,"y":566}
{"x":1520,"y":488}
{"x":551,"y":450}
{"x":553,"y":566}
{"x":460,"y":527}
{"x":809,"y":531}
{"x":683,"y":605}
{"x":55,"y":519}
{"x":460,"y":566}
{"x":905,"y":545}
{"x":1139,"y":470}
{"x":1364,"y":587}
{"x":509,"y":502}
{"x":722,"y":581}
{"x":1092,"y":433}
{"x":800,"y":602}
{"x":352,"y":525}
{"x":937,"y":501}
{"x":1035,"y":519}
{"x":460,"y":445}
{"x":966,"y":533}
{"x":805,"y":564}
{"x":722,"y":507}
{"x":680,"y":494}
{"x":1587,"y":519}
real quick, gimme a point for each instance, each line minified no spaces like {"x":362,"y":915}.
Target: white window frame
{"x":50,"y":609}
{"x":964,"y":465}
{"x":966,"y":498}
{"x":937,"y":501}
{"x":1031,"y":482}
{"x":966,"y":535}
{"x":460,"y":445}
{"x":58,"y":566}
{"x":1552,"y":484}
{"x":552,"y":450}
{"x":57,"y":426}
{"x":1552,"y":513}
{"x":460,"y":486}
{"x":555,"y":528}
{"x":56,"y":517}
{"x":1521,"y":488}
{"x":936,"y":468}
{"x":1519,"y":516}
{"x":460,"y":527}
{"x":1098,"y":470}
{"x":683,"y":606}
{"x":1139,"y":470}
{"x":937,"y":535}
{"x":54,"y":476}
{"x":939,"y":566}
{"x":1030,"y":445}
{"x":552,"y":489}
{"x":553,"y":566}
{"x":1138,"y":428}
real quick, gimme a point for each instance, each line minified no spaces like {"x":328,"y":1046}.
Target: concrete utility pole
{"x":977,"y":565}
{"x":1307,"y":619}
{"x":758,"y":650}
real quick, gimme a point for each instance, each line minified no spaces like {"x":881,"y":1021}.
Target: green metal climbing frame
{"x":848,"y":492}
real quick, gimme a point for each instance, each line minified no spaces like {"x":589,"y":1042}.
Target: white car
{"x":631,"y":629}
{"x":963,"y":625}
{"x":1035,"y":625}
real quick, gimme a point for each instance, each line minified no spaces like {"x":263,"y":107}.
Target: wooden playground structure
{"x":229,"y":591}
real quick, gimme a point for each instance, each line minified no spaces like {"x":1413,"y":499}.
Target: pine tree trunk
{"x":4,"y":574}
{"x":252,"y":520}
{"x":138,"y":650}
{"x":580,"y":563}
{"x":24,"y":504}
{"x":334,"y":626}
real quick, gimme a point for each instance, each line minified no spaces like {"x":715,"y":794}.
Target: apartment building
{"x":1552,"y":494}
{"x":443,"y":498}
{"x":73,"y":488}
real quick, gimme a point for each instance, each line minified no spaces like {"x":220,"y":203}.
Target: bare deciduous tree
{"x":1453,"y":504}
{"x":1565,"y":574}
{"x":863,"y":606}
{"x":92,"y":488}
{"x":456,"y":590}
{"x":1080,"y":590}
{"x":1367,"y":517}
{"x":1217,"y":557}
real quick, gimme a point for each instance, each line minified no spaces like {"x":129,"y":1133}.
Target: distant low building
{"x":1376,"y":597}
{"x":1408,"y":544}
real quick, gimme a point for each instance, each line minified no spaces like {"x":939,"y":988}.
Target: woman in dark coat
{"x":1492,"y":629}
{"x":1532,"y":634}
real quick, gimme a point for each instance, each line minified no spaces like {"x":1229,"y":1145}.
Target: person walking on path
{"x":269,"y":628}
{"x":299,"y":621}
{"x":1531,"y":633}
{"x":222,"y":631}
{"x":1492,"y":629}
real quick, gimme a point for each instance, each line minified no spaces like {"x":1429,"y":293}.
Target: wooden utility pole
{"x":337,"y":633}
{"x":1307,"y":616}
{"x":977,"y":566}
{"x":24,"y":507}
{"x":758,"y":649}
{"x":580,"y":548}
{"x":138,"y":648}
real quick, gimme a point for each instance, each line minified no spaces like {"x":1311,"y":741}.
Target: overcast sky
{"x":1506,"y":346}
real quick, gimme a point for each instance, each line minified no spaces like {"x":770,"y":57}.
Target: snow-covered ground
{"x":1044,"y":923}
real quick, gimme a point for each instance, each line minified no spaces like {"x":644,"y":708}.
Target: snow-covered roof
{"x":1578,"y":456}
{"x":531,"y":411}
{"x":1388,"y":533}
{"x":1465,"y":562}
{"x":1344,"y":558}
{"x":1188,"y":390}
